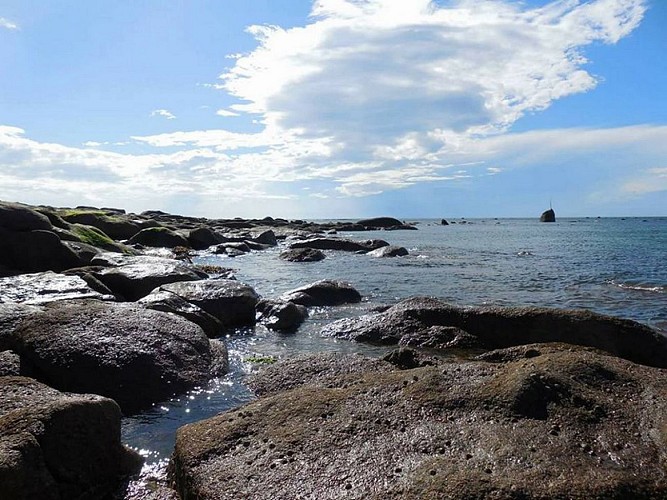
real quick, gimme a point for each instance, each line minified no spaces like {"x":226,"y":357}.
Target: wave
{"x":640,"y":287}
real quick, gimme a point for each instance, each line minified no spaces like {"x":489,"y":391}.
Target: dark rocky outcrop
{"x":389,"y":251}
{"x":138,"y":276}
{"x":266,"y":238}
{"x":567,"y":423}
{"x":383,"y":223}
{"x":323,"y":293}
{"x":159,"y":237}
{"x":203,"y":237}
{"x":548,"y":216}
{"x":18,"y":217}
{"x":110,"y":223}
{"x":162,"y":300}
{"x":56,"y":446}
{"x":497,"y":327}
{"x":444,"y":222}
{"x":340,"y":244}
{"x":39,"y":288}
{"x":302,"y":255}
{"x":230,"y":301}
{"x":123,"y":351}
{"x":35,"y":251}
{"x":279,"y":315}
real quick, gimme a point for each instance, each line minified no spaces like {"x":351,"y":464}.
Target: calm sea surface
{"x":611,"y":266}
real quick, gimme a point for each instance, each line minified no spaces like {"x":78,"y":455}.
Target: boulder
{"x":302,"y":255}
{"x":39,"y":288}
{"x":162,"y":300}
{"x":231,"y":302}
{"x":35,"y":251}
{"x":266,"y":238}
{"x":340,"y":244}
{"x":380,"y":222}
{"x":139,"y":276}
{"x":568,"y":423}
{"x":323,"y":293}
{"x":123,"y":351}
{"x":499,"y":327}
{"x":548,"y":216}
{"x":18,"y":217}
{"x":159,"y":237}
{"x":113,"y":224}
{"x":444,"y":222}
{"x":279,"y":315}
{"x":59,"y":446}
{"x":389,"y":251}
{"x":203,"y":237}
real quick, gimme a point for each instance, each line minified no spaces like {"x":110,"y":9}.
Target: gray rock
{"x":266,"y":238}
{"x":159,"y":237}
{"x":114,"y":225}
{"x":389,"y":251}
{"x":203,"y":237}
{"x":10,"y":364}
{"x":48,"y":286}
{"x":231,"y":302}
{"x":18,"y":217}
{"x":497,"y":327}
{"x":140,"y":276}
{"x":340,"y":244}
{"x":123,"y":351}
{"x":162,"y":300}
{"x":58,"y":446}
{"x":279,"y":315}
{"x":567,"y":424}
{"x":302,"y":255}
{"x":323,"y":293}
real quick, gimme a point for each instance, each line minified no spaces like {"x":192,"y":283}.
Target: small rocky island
{"x":548,"y":216}
{"x":103,"y":313}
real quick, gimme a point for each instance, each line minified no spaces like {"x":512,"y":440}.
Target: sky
{"x":336,"y":108}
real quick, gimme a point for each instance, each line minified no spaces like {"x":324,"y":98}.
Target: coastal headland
{"x":105,"y":313}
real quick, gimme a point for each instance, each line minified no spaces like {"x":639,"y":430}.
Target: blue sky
{"x":336,"y":108}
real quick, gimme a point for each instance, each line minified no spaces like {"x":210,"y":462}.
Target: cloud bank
{"x":376,"y":95}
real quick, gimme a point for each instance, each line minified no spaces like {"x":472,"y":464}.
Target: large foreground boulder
{"x":230,"y":301}
{"x":498,"y":327}
{"x":563,"y":423}
{"x":323,"y":293}
{"x":56,"y":446}
{"x":131,"y":354}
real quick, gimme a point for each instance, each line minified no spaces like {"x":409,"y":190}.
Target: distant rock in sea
{"x":548,"y":216}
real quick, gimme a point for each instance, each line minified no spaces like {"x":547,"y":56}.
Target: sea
{"x":615,"y":266}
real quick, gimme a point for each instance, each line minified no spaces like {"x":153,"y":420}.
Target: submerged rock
{"x":389,"y":251}
{"x":280,"y":315}
{"x":59,"y":446}
{"x":323,"y":293}
{"x":498,"y":327}
{"x":123,"y":351}
{"x":568,"y":423}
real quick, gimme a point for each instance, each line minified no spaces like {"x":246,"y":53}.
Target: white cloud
{"x":7,"y":24}
{"x":164,"y":113}
{"x":226,"y":113}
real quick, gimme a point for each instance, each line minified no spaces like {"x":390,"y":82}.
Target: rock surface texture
{"x":562,"y":422}
{"x":497,"y":327}
{"x":56,"y":446}
{"x":323,"y":293}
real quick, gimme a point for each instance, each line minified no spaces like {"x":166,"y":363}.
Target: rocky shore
{"x":103,"y":313}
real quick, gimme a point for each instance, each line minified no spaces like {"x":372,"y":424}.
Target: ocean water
{"x":611,"y":266}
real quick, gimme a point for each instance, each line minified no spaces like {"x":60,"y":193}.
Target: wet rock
{"x":138,"y":276}
{"x":113,"y":224}
{"x":266,"y":238}
{"x":457,"y":430}
{"x":440,"y":337}
{"x":162,"y":300}
{"x":323,"y":293}
{"x":389,"y":251}
{"x":203,"y":237}
{"x":84,"y":252}
{"x":58,"y":446}
{"x":123,"y":351}
{"x":159,"y":237}
{"x":279,"y":315}
{"x":497,"y":327}
{"x":39,"y":288}
{"x":302,"y":255}
{"x":340,"y":244}
{"x":231,"y":302}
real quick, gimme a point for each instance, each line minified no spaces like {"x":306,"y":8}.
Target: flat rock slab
{"x":500,"y":327}
{"x":567,"y":423}
{"x":340,"y":244}
{"x":323,"y":293}
{"x":139,"y":276}
{"x":40,"y":288}
{"x":55,"y":446}
{"x":123,"y":351}
{"x":230,"y":301}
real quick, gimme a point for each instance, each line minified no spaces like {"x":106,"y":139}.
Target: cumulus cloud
{"x":7,"y":24}
{"x":163,"y":113}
